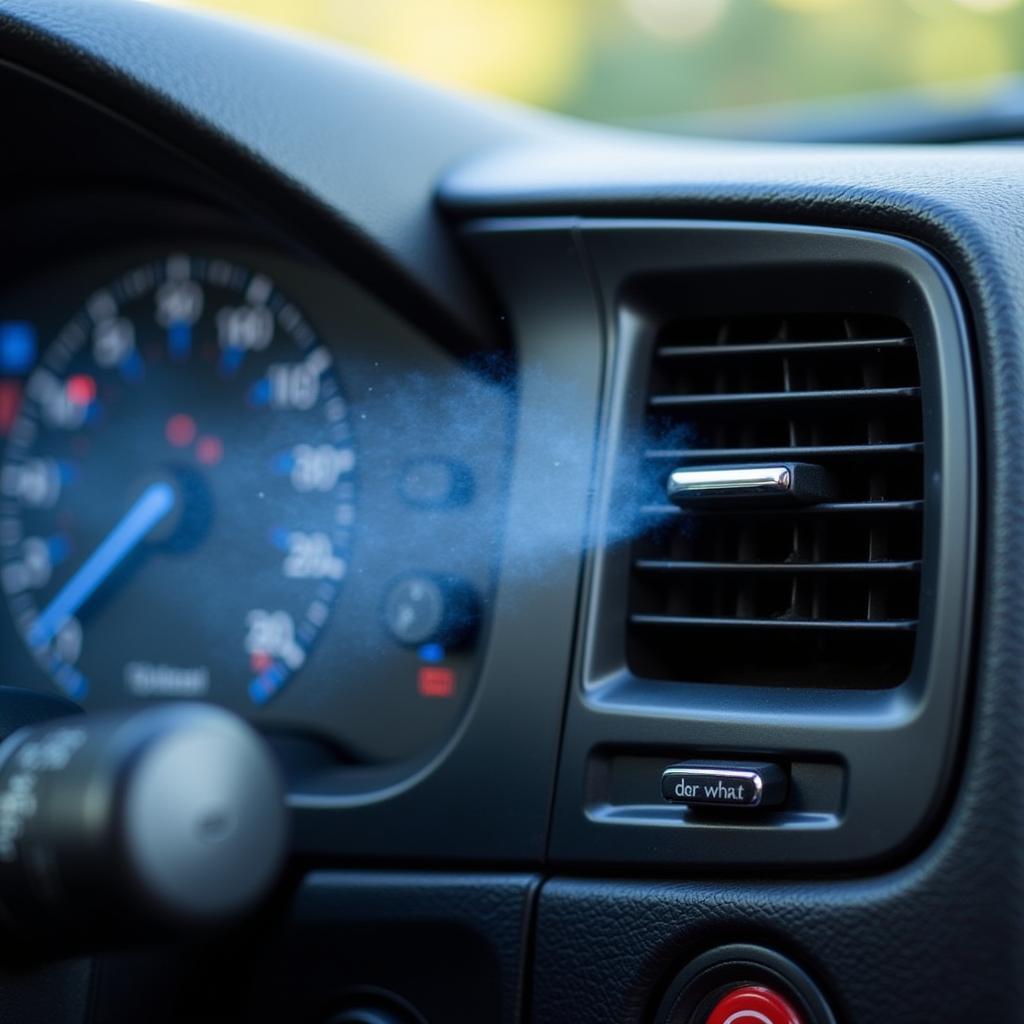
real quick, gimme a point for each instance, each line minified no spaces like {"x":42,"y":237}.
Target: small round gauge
{"x":177,"y":497}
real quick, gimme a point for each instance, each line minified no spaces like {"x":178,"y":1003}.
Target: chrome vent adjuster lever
{"x":798,"y":482}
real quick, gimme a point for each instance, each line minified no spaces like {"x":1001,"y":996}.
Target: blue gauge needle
{"x":151,"y":506}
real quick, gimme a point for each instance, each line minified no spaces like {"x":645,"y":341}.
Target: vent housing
{"x":823,"y":595}
{"x":833,"y":636}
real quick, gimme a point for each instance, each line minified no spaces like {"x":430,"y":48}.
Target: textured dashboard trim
{"x":941,"y":938}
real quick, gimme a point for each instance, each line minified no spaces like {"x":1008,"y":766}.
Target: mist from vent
{"x":533,"y":461}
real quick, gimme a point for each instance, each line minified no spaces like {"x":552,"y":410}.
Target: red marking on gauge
{"x":260,"y":661}
{"x":435,"y":681}
{"x":81,"y":389}
{"x":10,"y":403}
{"x":209,"y":450}
{"x":180,"y":430}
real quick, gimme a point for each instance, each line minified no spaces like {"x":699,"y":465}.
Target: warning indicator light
{"x":435,"y":681}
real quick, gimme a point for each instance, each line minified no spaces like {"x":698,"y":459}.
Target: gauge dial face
{"x":178,"y":492}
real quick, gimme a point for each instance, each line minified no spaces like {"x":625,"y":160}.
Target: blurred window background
{"x":658,"y":62}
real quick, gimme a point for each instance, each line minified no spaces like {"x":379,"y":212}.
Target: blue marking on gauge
{"x":279,"y":537}
{"x":259,"y":393}
{"x":155,"y":502}
{"x":267,"y":684}
{"x":132,"y":368}
{"x":431,"y":653}
{"x":18,"y":347}
{"x":179,"y":340}
{"x":230,"y":360}
{"x":259,"y":692}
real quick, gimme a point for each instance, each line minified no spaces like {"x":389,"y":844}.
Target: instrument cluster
{"x":233,"y":476}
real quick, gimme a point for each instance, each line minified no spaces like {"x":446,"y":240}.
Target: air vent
{"x":821,"y":594}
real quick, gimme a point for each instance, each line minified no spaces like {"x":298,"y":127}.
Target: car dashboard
{"x":613,"y":537}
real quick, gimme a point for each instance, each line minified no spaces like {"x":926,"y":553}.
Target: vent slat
{"x":810,"y":625}
{"x":779,"y":348}
{"x":775,"y":568}
{"x":795,"y":398}
{"x":829,"y":451}
{"x":826,"y":594}
{"x":794,"y":511}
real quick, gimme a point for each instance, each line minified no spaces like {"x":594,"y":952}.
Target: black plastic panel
{"x":487,"y":794}
{"x":445,"y":948}
{"x":451,"y":947}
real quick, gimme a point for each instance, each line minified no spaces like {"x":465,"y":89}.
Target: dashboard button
{"x":414,"y":609}
{"x":424,"y":609}
{"x":753,"y":1004}
{"x":724,"y":784}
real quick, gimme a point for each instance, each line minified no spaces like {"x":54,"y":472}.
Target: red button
{"x":753,"y":1005}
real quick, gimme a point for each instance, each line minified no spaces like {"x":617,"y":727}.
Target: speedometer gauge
{"x":178,"y":491}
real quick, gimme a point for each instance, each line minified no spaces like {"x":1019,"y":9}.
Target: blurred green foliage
{"x":643,"y":60}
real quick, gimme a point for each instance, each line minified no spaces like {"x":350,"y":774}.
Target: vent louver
{"x":817,"y":595}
